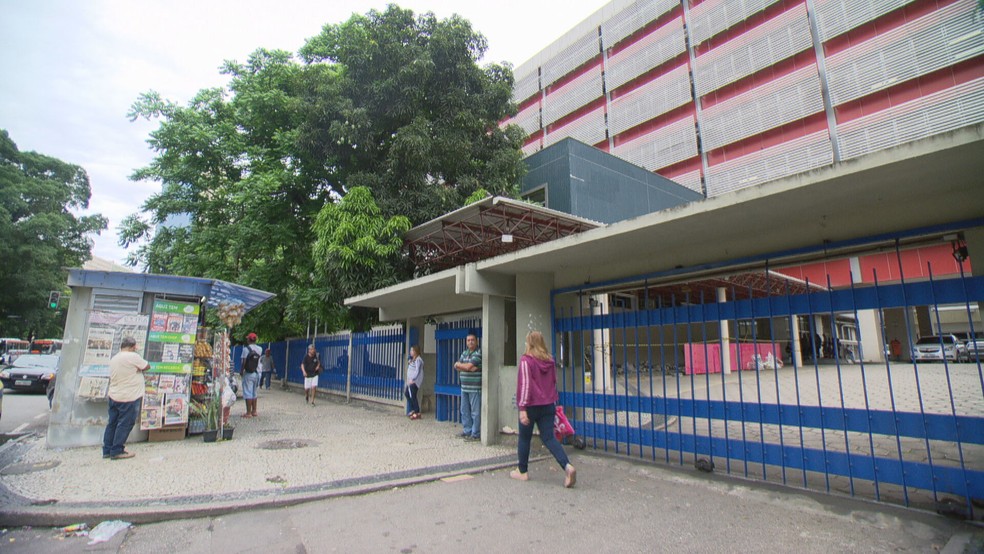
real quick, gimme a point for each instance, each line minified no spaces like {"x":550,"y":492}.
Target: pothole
{"x":286,"y":444}
{"x":20,"y":469}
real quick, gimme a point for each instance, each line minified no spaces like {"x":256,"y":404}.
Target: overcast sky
{"x":71,"y":69}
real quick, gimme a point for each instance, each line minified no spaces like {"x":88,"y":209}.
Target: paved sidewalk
{"x":292,"y":452}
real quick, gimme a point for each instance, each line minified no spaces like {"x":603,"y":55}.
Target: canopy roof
{"x":213,"y":290}
{"x":487,"y":228}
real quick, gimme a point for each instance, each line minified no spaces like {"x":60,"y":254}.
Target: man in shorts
{"x":311,"y":367}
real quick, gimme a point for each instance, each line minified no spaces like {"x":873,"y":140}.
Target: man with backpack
{"x":250,"y":373}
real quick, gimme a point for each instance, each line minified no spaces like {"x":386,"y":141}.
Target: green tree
{"x":236,"y":202}
{"x":356,"y":250}
{"x":40,"y":236}
{"x":387,"y":101}
{"x":418,"y":119}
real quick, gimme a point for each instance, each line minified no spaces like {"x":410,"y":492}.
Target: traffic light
{"x":53,"y":298}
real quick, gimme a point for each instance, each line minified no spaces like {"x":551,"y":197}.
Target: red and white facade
{"x":720,"y":95}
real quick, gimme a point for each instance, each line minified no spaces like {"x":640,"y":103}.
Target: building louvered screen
{"x":579,"y":92}
{"x":571,"y":57}
{"x":776,"y":103}
{"x":691,"y":180}
{"x":589,"y":129}
{"x":651,"y":100}
{"x":771,"y":42}
{"x":789,"y":158}
{"x":648,"y":52}
{"x":528,"y":119}
{"x":634,"y":17}
{"x":836,"y":17}
{"x":929,"y":115}
{"x":526,"y":86}
{"x":662,"y":147}
{"x":710,"y":18}
{"x":934,"y":41}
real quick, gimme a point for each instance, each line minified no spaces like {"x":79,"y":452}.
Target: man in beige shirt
{"x":126,"y":390}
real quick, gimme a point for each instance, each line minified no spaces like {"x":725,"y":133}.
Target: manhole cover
{"x":20,"y":469}
{"x":286,"y":444}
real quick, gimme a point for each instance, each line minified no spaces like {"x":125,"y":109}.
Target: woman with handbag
{"x":536,"y":398}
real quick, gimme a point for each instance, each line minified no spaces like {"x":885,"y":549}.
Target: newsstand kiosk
{"x":165,"y":314}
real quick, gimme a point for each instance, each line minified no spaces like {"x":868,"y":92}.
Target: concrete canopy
{"x":931,"y":182}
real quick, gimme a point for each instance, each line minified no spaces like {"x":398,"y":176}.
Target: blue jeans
{"x":410,"y":393}
{"x":471,"y":413}
{"x":122,"y":416}
{"x":266,"y":377}
{"x":250,"y":382}
{"x":543,"y":418}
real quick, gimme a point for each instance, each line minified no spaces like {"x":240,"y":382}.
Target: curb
{"x":52,"y":515}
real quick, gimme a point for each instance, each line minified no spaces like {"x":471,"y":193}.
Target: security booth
{"x":165,"y":314}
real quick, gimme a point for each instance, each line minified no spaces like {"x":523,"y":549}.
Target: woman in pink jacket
{"x":536,"y":398}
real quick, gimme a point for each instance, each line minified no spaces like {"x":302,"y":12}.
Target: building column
{"x":722,"y":296}
{"x":794,"y":337}
{"x":601,"y":362}
{"x":493,"y":344}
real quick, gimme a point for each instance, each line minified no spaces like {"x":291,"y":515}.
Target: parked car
{"x":936,"y":348}
{"x":30,"y":372}
{"x":975,"y":349}
{"x":964,"y":338}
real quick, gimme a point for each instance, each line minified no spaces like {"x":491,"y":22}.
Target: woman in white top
{"x":415,"y":378}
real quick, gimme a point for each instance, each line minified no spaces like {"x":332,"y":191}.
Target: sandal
{"x":570,"y":476}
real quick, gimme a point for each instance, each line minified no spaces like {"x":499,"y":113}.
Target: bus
{"x":10,"y":348}
{"x":46,"y":346}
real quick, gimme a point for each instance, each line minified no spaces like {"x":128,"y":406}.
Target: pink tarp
{"x":706,"y":358}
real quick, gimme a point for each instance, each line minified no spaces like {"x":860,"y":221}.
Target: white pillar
{"x":722,"y":296}
{"x":601,"y":363}
{"x":794,"y":336}
{"x":493,"y":344}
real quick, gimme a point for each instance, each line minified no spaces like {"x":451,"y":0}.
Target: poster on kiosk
{"x":170,"y":352}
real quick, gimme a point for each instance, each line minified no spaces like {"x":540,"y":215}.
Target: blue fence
{"x":375,"y":360}
{"x":823,"y":387}
{"x":450,"y":339}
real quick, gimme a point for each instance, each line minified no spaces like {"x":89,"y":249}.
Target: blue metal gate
{"x":820,"y":394}
{"x":450,"y":339}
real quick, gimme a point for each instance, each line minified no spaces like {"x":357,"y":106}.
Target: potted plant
{"x":213,"y":413}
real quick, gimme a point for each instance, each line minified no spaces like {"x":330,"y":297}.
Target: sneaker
{"x":464,"y":435}
{"x":473,"y":438}
{"x":123,"y":456}
{"x":519,"y":476}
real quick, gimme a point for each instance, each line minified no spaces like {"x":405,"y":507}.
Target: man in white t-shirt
{"x":126,"y":390}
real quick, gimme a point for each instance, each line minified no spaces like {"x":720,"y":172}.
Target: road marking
{"x":39,"y":416}
{"x":19,"y":429}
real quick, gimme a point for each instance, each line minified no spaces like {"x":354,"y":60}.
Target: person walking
{"x":536,"y":398}
{"x":311,"y":368}
{"x":415,"y":378}
{"x":249,"y":370}
{"x":469,"y":368}
{"x":126,"y":390}
{"x":267,"y":368}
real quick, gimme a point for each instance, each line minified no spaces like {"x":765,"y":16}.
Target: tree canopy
{"x":40,"y":236}
{"x":301,"y":175}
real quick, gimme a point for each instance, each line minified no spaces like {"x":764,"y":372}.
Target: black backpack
{"x":252,"y":361}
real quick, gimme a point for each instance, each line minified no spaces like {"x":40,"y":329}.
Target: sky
{"x":71,"y":69}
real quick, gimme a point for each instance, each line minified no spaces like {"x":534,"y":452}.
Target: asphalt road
{"x":617,"y":506}
{"x":23,"y":413}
